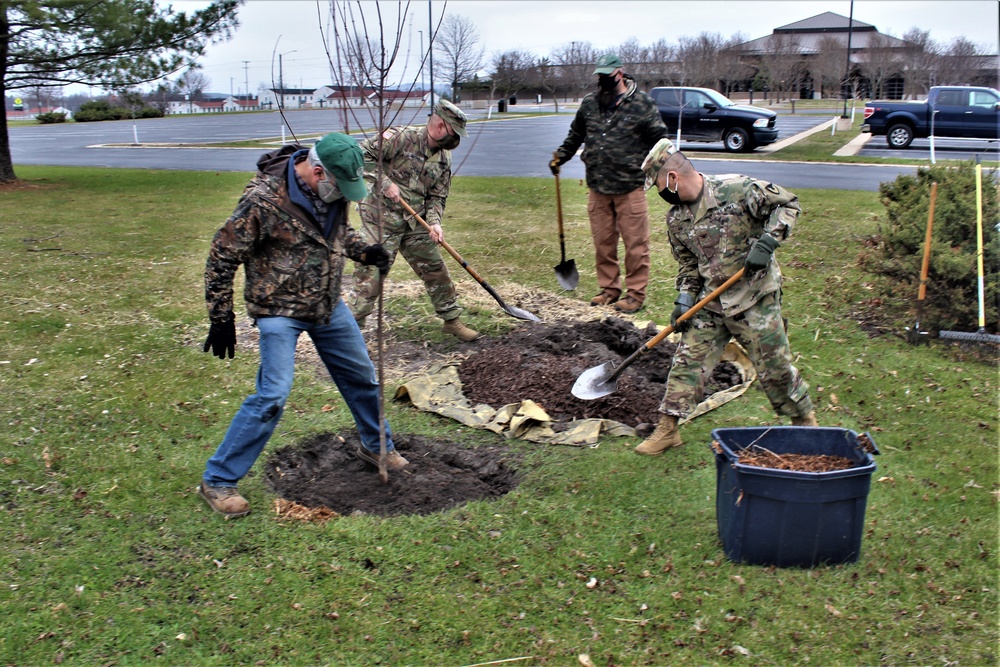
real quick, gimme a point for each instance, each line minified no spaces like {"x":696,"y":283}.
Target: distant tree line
{"x":714,"y":61}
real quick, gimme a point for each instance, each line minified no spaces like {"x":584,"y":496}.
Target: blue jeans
{"x":341,"y":347}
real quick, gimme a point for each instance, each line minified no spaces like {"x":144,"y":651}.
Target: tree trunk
{"x":6,"y":164}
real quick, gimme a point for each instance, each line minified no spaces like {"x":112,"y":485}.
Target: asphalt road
{"x":500,"y":146}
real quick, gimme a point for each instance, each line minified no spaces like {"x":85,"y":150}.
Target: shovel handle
{"x":658,"y":338}
{"x":925,"y":266}
{"x":451,"y":251}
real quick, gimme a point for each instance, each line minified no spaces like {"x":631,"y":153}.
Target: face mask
{"x":328,"y":190}
{"x":607,"y":83}
{"x":670,"y":196}
{"x":449,"y":141}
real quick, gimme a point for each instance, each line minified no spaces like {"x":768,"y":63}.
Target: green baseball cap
{"x":452,"y":115}
{"x":655,"y":160}
{"x":341,"y":158}
{"x":607,"y":64}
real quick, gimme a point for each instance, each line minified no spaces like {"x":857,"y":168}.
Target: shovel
{"x":510,"y":310}
{"x":602,"y":380}
{"x":566,"y":272}
{"x":915,"y":335}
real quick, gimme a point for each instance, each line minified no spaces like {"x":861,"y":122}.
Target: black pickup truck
{"x":706,"y":115}
{"x":964,"y":112}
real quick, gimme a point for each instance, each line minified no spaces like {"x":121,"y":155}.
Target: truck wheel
{"x":899,"y":136}
{"x":736,"y":140}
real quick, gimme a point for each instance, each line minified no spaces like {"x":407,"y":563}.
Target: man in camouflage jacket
{"x":718,"y":225}
{"x":618,"y":124}
{"x":412,"y":164}
{"x":290,"y":233}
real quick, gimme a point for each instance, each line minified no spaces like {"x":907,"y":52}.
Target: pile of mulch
{"x":541,"y":362}
{"x":797,"y":462}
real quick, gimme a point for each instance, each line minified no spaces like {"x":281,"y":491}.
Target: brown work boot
{"x":605,"y":298}
{"x":629,"y":305}
{"x":459,"y":330}
{"x":664,"y":437}
{"x":808,"y":419}
{"x":225,"y":500}
{"x":393,"y":460}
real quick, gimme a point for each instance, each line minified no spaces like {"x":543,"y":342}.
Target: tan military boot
{"x":225,"y":500}
{"x":808,"y":419}
{"x":664,"y":437}
{"x":459,"y":330}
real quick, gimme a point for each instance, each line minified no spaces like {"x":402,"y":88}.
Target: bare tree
{"x":922,"y":57}
{"x":827,"y":67}
{"x":511,"y":70}
{"x":576,"y":65}
{"x":193,"y":83}
{"x":732,"y":69}
{"x":882,"y":61}
{"x":960,"y":63}
{"x":783,"y":65}
{"x":699,"y":59}
{"x":458,"y":43}
{"x":546,"y":80}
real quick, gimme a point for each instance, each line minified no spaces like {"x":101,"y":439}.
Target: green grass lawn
{"x":111,"y":409}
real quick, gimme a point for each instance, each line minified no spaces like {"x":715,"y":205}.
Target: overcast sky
{"x":291,"y":27}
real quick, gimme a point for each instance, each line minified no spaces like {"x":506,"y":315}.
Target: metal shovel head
{"x":567,"y":275}
{"x":595,"y":382}
{"x":521,"y":314}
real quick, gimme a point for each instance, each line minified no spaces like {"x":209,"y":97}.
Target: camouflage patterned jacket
{"x":422,"y":174}
{"x":616,"y":141}
{"x":711,"y":238}
{"x":291,"y":269}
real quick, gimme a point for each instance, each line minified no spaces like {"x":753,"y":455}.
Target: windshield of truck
{"x":712,"y":97}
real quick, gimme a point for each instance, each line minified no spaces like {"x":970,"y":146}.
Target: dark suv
{"x":707,"y":115}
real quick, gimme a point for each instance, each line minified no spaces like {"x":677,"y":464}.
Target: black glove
{"x":375,"y":255}
{"x":554,"y":164}
{"x":760,"y":253}
{"x":683,"y":304}
{"x":222,"y":338}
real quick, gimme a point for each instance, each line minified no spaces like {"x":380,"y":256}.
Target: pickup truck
{"x":706,"y":115}
{"x":965,"y":112}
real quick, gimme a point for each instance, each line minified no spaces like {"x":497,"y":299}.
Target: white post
{"x":282,"y":134}
{"x":135,"y":132}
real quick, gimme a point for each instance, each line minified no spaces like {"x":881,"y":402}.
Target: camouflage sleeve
{"x":775,"y":206}
{"x":577,"y":135}
{"x":390,"y":148}
{"x":437,"y":195}
{"x":354,"y":244}
{"x":688,"y":278}
{"x":231,"y":246}
{"x":653,"y":127}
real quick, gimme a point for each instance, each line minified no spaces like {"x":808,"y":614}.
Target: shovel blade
{"x":567,"y":275}
{"x":521,"y":314}
{"x":595,"y":382}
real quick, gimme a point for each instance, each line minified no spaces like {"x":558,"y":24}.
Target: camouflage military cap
{"x":452,"y":115}
{"x":655,"y":160}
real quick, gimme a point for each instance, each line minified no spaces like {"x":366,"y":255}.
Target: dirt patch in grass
{"x":323,"y":471}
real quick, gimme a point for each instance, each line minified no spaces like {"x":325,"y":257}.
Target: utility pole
{"x":847,"y":72}
{"x":421,"y":33}
{"x":246,"y":77}
{"x":430,"y":49}
{"x":281,"y":84}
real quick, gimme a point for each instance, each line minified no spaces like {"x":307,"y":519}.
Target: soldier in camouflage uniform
{"x":717,"y":225}
{"x":290,"y":233}
{"x":416,"y":167}
{"x":618,"y":124}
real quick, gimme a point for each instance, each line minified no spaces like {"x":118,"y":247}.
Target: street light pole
{"x":430,"y":49}
{"x":847,"y":71}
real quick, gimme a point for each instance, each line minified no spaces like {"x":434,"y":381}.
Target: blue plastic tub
{"x":785,"y":517}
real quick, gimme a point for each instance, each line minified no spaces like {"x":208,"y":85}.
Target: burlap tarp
{"x":440,"y":391}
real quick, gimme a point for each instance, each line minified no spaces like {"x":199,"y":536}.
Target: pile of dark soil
{"x":324,"y":472}
{"x":541,"y":362}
